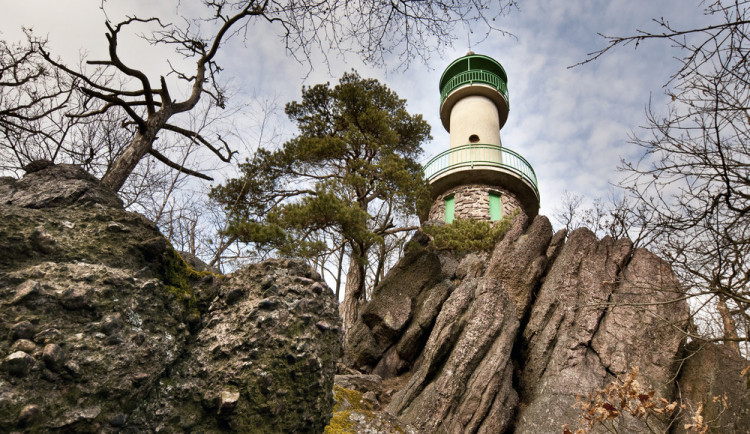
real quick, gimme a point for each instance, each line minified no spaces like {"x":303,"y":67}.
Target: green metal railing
{"x":474,"y":76}
{"x":470,"y":156}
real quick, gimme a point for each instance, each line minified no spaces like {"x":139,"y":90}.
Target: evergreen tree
{"x":352,"y":171}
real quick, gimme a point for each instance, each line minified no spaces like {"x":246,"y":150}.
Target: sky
{"x":571,"y":124}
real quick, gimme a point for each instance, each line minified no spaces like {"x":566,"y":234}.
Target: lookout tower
{"x":477,"y":178}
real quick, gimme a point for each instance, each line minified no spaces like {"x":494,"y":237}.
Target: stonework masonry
{"x":473,"y":202}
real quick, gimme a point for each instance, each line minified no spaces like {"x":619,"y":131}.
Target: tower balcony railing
{"x":471,"y":77}
{"x":472,"y":156}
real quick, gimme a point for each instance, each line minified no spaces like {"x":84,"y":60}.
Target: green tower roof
{"x":474,"y":69}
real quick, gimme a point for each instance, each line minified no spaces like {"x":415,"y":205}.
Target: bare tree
{"x":692,"y":185}
{"x":372,"y":29}
{"x":33,"y":99}
{"x":39,"y":115}
{"x":612,"y":216}
{"x":263,"y":131}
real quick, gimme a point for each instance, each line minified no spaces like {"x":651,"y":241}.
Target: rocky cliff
{"x":507,"y":341}
{"x":104,"y":328}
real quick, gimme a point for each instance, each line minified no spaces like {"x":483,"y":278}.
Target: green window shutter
{"x":496,"y":206}
{"x":450,"y":208}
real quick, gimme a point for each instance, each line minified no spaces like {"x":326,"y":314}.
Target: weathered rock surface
{"x":104,"y":328}
{"x":100,"y":320}
{"x":471,"y":342}
{"x":601,"y":311}
{"x":360,"y":412}
{"x":263,"y":362}
{"x":56,"y":186}
{"x":506,"y":343}
{"x":409,"y":287}
{"x":718,"y":378}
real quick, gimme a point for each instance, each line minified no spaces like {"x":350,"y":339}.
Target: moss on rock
{"x":179,"y":278}
{"x":353,"y":414}
{"x":148,"y":343}
{"x":272,"y":334}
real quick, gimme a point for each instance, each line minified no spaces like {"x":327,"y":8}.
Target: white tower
{"x":477,"y":177}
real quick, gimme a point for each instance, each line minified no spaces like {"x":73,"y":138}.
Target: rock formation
{"x":506,"y":342}
{"x":264,"y":359}
{"x":104,"y":328}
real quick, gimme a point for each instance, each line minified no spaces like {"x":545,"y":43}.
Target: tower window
{"x":473,"y":138}
{"x":496,"y":206}
{"x":450,"y":208}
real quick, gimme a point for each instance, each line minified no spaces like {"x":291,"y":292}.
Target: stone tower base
{"x":472,"y":202}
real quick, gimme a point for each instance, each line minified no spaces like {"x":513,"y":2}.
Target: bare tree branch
{"x":159,"y":156}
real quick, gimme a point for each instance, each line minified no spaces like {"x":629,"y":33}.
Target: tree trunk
{"x":730,"y":330}
{"x":353,"y":291}
{"x":223,"y":246}
{"x":338,"y":272}
{"x":125,"y":164}
{"x":115,"y":178}
{"x":381,"y":266}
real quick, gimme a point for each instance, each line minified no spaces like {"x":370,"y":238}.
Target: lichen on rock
{"x":263,"y":343}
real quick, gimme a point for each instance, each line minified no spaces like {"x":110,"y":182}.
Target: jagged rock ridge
{"x":505,"y":343}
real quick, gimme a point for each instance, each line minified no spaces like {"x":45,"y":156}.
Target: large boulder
{"x":101,"y":320}
{"x":602,"y":310}
{"x":263,"y":362}
{"x":395,"y":323}
{"x":450,"y":323}
{"x":47,"y":185}
{"x":89,"y":320}
{"x":464,"y":382}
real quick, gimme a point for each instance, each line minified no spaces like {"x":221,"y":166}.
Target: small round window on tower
{"x":473,"y":138}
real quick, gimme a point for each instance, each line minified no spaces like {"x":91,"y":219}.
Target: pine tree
{"x":352,"y":171}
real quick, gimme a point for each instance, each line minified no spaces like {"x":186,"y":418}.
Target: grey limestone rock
{"x":259,"y":364}
{"x":406,"y":290}
{"x":98,"y":316}
{"x":464,"y":381}
{"x":362,"y":383}
{"x":56,"y":186}
{"x":603,"y":310}
{"x":557,"y":359}
{"x":520,"y":260}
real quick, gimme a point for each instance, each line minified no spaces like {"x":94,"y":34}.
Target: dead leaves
{"x":627,"y":396}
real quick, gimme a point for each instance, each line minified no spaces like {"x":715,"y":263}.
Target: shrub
{"x":464,"y":236}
